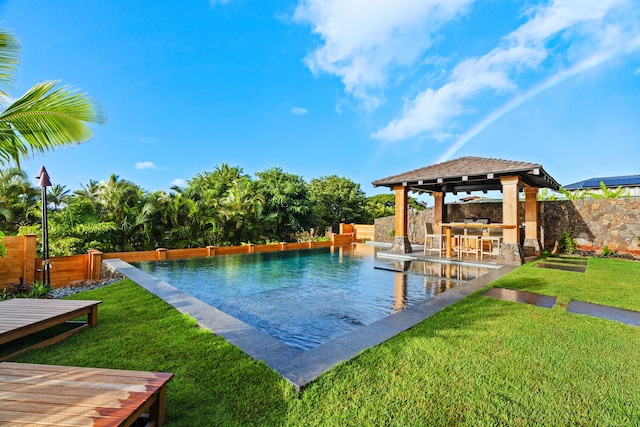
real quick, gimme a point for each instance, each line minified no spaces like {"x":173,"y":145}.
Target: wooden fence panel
{"x":342,"y":239}
{"x":132,"y":256}
{"x":364,"y":231}
{"x":65,"y":269}
{"x":12,"y":265}
{"x":231,"y":250}
{"x":186,"y":253}
{"x":299,"y":245}
{"x":267,"y":248}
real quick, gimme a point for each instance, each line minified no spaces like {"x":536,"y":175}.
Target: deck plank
{"x":32,"y":394}
{"x":20,"y":317}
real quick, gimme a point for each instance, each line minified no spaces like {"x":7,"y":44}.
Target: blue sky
{"x":358,"y":88}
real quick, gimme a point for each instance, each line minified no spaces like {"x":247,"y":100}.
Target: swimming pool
{"x":308,"y":297}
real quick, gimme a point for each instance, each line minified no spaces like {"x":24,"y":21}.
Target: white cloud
{"x":578,"y":21}
{"x":299,"y":111}
{"x":363,"y":41}
{"x":145,"y":165}
{"x":178,"y":182}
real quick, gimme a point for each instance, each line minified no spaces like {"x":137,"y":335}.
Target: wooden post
{"x":401,"y":242}
{"x":283,"y":246}
{"x":511,"y":207}
{"x":252,"y":248}
{"x":531,"y":233}
{"x":438,"y":211}
{"x":95,"y":264}
{"x":29,"y":258}
{"x":161,"y":254}
{"x":531,"y":213}
{"x":401,"y":210}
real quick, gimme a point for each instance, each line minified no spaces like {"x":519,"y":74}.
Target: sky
{"x":363,"y":89}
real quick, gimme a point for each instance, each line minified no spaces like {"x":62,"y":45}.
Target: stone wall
{"x":592,"y":223}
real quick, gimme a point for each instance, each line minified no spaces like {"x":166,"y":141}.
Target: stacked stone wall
{"x":592,"y":223}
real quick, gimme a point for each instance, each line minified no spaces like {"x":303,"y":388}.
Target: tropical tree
{"x":336,"y":199}
{"x":217,"y":183}
{"x":76,"y":228}
{"x":90,"y":191}
{"x":124,"y":203}
{"x":45,"y":117}
{"x":287,"y":196}
{"x":382,"y":205}
{"x":18,"y":198}
{"x":57,"y":195}
{"x":246,"y":219}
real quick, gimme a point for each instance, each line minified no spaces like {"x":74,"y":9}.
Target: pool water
{"x":308,"y":297}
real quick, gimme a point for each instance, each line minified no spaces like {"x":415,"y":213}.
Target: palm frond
{"x":9,"y":58}
{"x":46,"y":117}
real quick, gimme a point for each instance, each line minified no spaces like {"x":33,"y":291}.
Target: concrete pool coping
{"x":300,"y":367}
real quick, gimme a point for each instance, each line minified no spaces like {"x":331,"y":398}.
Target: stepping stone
{"x":605,"y":312}
{"x":564,"y":267}
{"x":521,"y":296}
{"x":576,"y":261}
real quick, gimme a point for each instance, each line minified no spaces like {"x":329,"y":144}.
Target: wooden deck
{"x":37,"y":395}
{"x":20,"y":317}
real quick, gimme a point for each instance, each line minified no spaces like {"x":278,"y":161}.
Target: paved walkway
{"x":628,"y":317}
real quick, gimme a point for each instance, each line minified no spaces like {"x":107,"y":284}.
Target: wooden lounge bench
{"x":20,"y":317}
{"x":69,"y":396}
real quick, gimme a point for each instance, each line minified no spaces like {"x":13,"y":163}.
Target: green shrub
{"x":566,"y":244}
{"x":607,"y":252}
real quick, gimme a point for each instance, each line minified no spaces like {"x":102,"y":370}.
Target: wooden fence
{"x":358,"y":232}
{"x":21,"y":263}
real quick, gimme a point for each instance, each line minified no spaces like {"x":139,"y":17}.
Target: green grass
{"x":480,"y":361}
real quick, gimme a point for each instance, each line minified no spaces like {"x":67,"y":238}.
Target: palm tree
{"x":58,"y":194}
{"x":17,"y":195}
{"x":246,"y":220}
{"x":45,"y":117}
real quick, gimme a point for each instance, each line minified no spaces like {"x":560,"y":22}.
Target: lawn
{"x":480,"y":361}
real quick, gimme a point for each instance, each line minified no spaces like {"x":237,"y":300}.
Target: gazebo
{"x":467,"y":174}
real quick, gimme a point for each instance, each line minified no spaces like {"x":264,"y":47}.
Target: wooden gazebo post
{"x":401,"y":242}
{"x":510,"y":250}
{"x":531,"y":243}
{"x":438,"y":211}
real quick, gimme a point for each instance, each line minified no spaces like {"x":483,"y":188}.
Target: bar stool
{"x":490,"y":244}
{"x":433,"y":242}
{"x":469,"y":244}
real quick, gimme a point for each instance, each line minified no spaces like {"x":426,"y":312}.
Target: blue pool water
{"x":308,"y":297}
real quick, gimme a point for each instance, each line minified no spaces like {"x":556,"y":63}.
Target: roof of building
{"x":609,"y":181}
{"x":469,"y":174}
